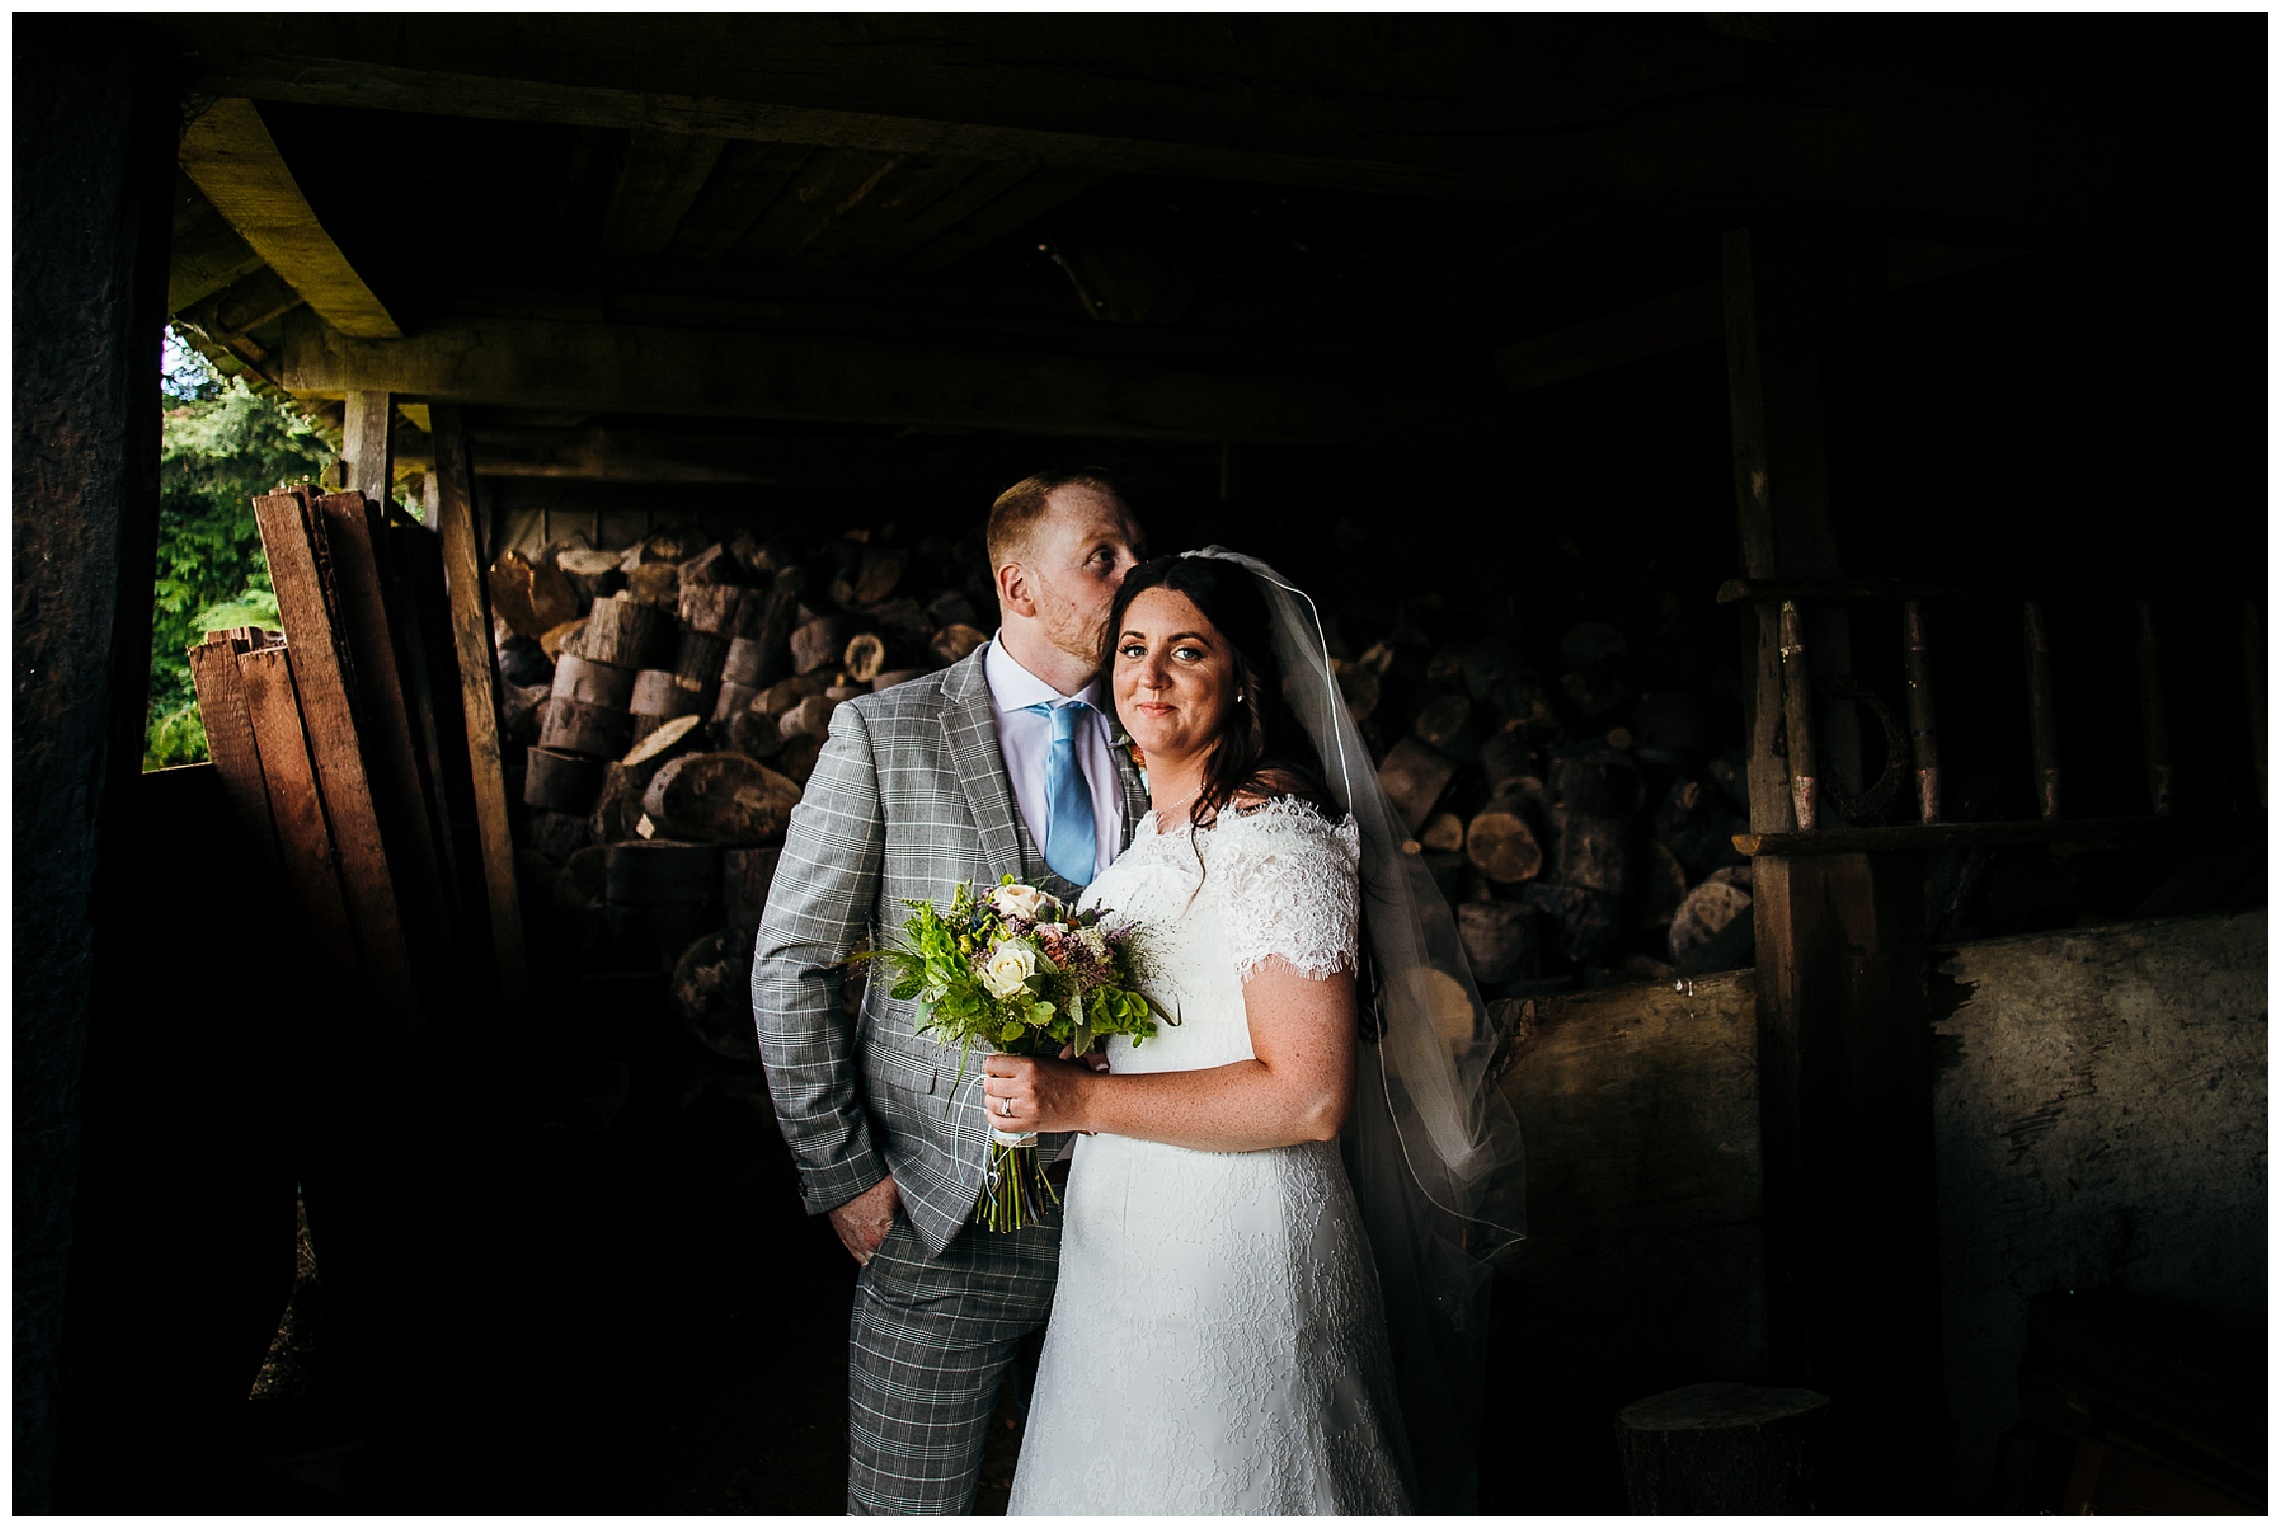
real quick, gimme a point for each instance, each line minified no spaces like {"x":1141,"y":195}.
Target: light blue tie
{"x":1069,"y":843}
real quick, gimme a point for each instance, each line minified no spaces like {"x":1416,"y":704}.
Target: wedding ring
{"x":1005,"y":1107}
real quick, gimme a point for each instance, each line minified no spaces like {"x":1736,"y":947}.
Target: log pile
{"x":677,"y":692}
{"x":663,"y":705}
{"x":1580,"y":826}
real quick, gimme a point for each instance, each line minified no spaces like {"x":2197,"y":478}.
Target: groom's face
{"x":1082,"y":547}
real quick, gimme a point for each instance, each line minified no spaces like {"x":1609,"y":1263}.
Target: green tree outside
{"x":222,"y":444}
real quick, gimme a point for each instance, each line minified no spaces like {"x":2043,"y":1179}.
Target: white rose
{"x":1018,"y":901}
{"x":1010,"y":966}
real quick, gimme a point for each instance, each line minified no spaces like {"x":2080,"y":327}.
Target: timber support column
{"x":94,"y":121}
{"x":1843,"y":1039}
{"x":368,"y":444}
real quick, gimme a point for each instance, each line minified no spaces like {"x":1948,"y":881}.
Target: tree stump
{"x":1594,"y":849}
{"x":1445,"y":724}
{"x":712,"y":985}
{"x":592,"y":575}
{"x":700,"y":658}
{"x":956,"y":640}
{"x":747,"y":660}
{"x":714,"y":566}
{"x":591,"y":683}
{"x":558,"y":835}
{"x":810,"y":718}
{"x":819,"y":642}
{"x":575,"y":727}
{"x":1500,"y":841}
{"x":732,"y":699}
{"x":658,"y":697}
{"x":893,"y":677}
{"x":655,"y":583}
{"x":1499,"y":940}
{"x":623,"y":632}
{"x":531,"y":597}
{"x":558,"y":781}
{"x":1726,"y":1449}
{"x":711,"y":608}
{"x":721,"y":798}
{"x":865,"y":657}
{"x":1414,"y":774}
{"x":624,"y":782}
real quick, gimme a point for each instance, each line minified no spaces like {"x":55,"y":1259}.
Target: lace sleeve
{"x":1288,"y":888}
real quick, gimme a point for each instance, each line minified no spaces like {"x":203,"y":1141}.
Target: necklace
{"x":1163,"y":812}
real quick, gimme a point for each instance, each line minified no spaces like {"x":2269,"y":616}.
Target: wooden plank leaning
{"x":288,"y":779}
{"x":401,"y":791}
{"x":230,"y":740}
{"x":324,"y":678}
{"x":471,"y":638}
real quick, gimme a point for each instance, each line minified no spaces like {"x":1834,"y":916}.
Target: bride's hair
{"x":1261,"y":750}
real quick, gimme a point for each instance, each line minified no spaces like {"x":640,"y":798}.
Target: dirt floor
{"x":655,"y":1325}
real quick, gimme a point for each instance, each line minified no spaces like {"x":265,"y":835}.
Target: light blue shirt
{"x":1025,"y":738}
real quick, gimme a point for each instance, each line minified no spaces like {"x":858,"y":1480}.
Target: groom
{"x":1001,"y":764}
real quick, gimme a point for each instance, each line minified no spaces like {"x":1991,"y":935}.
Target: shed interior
{"x":1486,"y":330}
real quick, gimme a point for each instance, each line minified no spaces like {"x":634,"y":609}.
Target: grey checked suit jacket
{"x":909,"y":798}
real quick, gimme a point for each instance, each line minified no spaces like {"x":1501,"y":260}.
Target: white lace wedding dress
{"x":1217,"y":1344}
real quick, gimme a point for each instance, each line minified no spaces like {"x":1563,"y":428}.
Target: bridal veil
{"x":1433,"y":1150}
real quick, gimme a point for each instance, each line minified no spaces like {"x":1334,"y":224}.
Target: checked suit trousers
{"x":929,"y":1341}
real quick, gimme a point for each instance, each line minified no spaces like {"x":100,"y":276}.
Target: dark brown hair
{"x":1260,"y":749}
{"x":1018,"y":508}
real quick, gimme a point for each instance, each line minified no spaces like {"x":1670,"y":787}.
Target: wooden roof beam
{"x":1471,"y":107}
{"x":624,"y":368}
{"x":229,"y":153}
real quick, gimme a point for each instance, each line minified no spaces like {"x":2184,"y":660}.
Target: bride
{"x":1220,"y":1340}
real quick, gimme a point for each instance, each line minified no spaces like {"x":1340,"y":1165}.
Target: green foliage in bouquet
{"x":1016,"y":971}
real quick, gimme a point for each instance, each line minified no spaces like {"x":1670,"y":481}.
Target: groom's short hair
{"x":1019,"y":508}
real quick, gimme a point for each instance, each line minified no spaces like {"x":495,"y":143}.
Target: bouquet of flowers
{"x":1016,"y":971}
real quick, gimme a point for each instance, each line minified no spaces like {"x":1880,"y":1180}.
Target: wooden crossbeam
{"x":229,"y":153}
{"x":884,"y":380}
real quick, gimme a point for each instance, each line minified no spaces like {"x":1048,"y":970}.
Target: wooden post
{"x":368,"y":444}
{"x":2252,"y":654}
{"x":1923,"y":729}
{"x":2042,"y":707}
{"x":478,"y":668}
{"x":96,"y":114}
{"x":2160,"y":784}
{"x":1797,"y":719}
{"x":1844,"y":1074}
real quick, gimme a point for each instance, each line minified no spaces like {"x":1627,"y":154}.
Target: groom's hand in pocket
{"x":864,"y":1221}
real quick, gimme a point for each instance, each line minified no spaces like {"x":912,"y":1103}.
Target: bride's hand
{"x":1023,"y":1094}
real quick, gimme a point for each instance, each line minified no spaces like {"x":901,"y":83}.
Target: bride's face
{"x":1174,"y":676}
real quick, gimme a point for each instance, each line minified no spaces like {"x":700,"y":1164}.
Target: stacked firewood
{"x":1582,"y":829}
{"x":664,"y":705}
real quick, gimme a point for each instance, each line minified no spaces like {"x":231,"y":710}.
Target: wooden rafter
{"x":884,"y":379}
{"x":229,"y":153}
